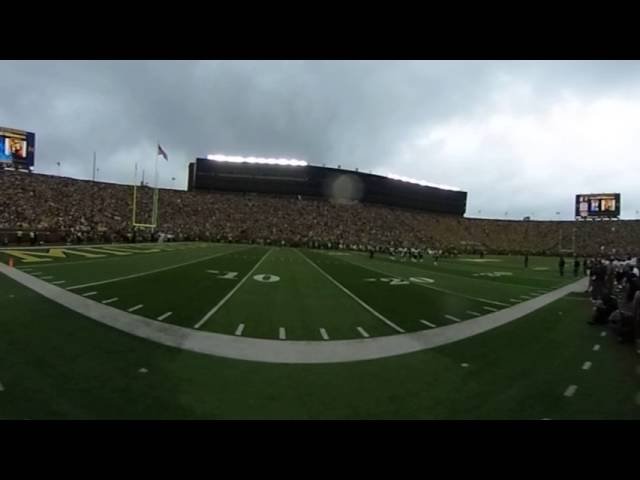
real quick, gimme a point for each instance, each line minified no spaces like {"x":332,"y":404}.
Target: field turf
{"x":60,"y":364}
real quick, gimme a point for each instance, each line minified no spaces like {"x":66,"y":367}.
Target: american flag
{"x":162,"y":152}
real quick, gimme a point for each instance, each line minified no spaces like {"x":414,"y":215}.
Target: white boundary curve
{"x":283,"y":351}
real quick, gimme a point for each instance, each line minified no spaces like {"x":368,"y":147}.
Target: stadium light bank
{"x":264,"y":161}
{"x":302,"y":163}
{"x":421,"y":182}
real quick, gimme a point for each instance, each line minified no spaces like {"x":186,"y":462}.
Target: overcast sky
{"x":522,"y":138}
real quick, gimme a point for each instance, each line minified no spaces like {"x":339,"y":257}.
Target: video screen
{"x":601,"y":205}
{"x":17,"y":147}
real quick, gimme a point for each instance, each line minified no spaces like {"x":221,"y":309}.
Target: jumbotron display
{"x":597,"y":205}
{"x":17,"y":147}
{"x":297,"y":178}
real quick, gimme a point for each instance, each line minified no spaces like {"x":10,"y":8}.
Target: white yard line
{"x":48,"y":277}
{"x":514,"y":300}
{"x":111,"y":300}
{"x":493,"y":302}
{"x":149,"y":272}
{"x":586,"y":366}
{"x":165,"y":315}
{"x":323,"y":332}
{"x":137,"y":307}
{"x":89,"y":294}
{"x":571,"y":389}
{"x":428,"y":324}
{"x":471,"y":312}
{"x":339,"y":285}
{"x":491,"y":309}
{"x":211,"y":312}
{"x":451,"y":317}
{"x":362,"y":332}
{"x":603,"y":334}
{"x":596,"y":348}
{"x":240,"y":329}
{"x":58,"y":282}
{"x":431,"y":287}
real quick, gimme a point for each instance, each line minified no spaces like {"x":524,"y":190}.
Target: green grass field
{"x":58,"y":363}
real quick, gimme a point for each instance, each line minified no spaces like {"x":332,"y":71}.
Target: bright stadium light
{"x":267,"y":161}
{"x":421,"y":182}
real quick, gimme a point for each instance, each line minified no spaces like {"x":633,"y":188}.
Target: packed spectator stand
{"x":60,"y":210}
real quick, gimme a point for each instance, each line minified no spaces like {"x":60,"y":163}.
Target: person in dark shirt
{"x":561,"y":263}
{"x":526,"y":260}
{"x":576,"y":266}
{"x":585,"y":266}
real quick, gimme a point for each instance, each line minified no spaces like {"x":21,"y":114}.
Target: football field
{"x":202,"y":330}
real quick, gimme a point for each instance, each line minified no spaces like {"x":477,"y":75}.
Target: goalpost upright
{"x":155,"y":202}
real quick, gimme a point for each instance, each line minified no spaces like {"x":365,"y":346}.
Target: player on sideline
{"x":561,"y":265}
{"x":526,"y":260}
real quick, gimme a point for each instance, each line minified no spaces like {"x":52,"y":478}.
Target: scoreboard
{"x":17,"y":147}
{"x":597,"y":205}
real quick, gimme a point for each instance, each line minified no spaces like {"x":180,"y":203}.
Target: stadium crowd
{"x":59,"y":209}
{"x":614,"y":285}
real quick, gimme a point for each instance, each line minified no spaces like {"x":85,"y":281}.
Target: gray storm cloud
{"x":520,"y":137}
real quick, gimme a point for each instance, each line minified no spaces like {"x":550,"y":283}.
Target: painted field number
{"x":226,"y":276}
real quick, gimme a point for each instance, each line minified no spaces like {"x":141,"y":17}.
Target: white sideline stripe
{"x":211,"y":312}
{"x":491,"y":309}
{"x":141,"y":274}
{"x":451,"y":317}
{"x":586,"y":366}
{"x":494,"y":302}
{"x":428,"y":324}
{"x":603,"y":334}
{"x":323,"y":332}
{"x":137,"y":307}
{"x":282,"y":334}
{"x":111,"y":300}
{"x":282,"y":351}
{"x":88,"y":294}
{"x":362,"y":332}
{"x":571,"y":389}
{"x":474,"y":313}
{"x":367,"y":307}
{"x":240,"y":329}
{"x":58,"y":282}
{"x":596,"y":348}
{"x":165,"y":315}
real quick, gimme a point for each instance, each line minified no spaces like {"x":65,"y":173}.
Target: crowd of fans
{"x":38,"y":208}
{"x":614,"y":285}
